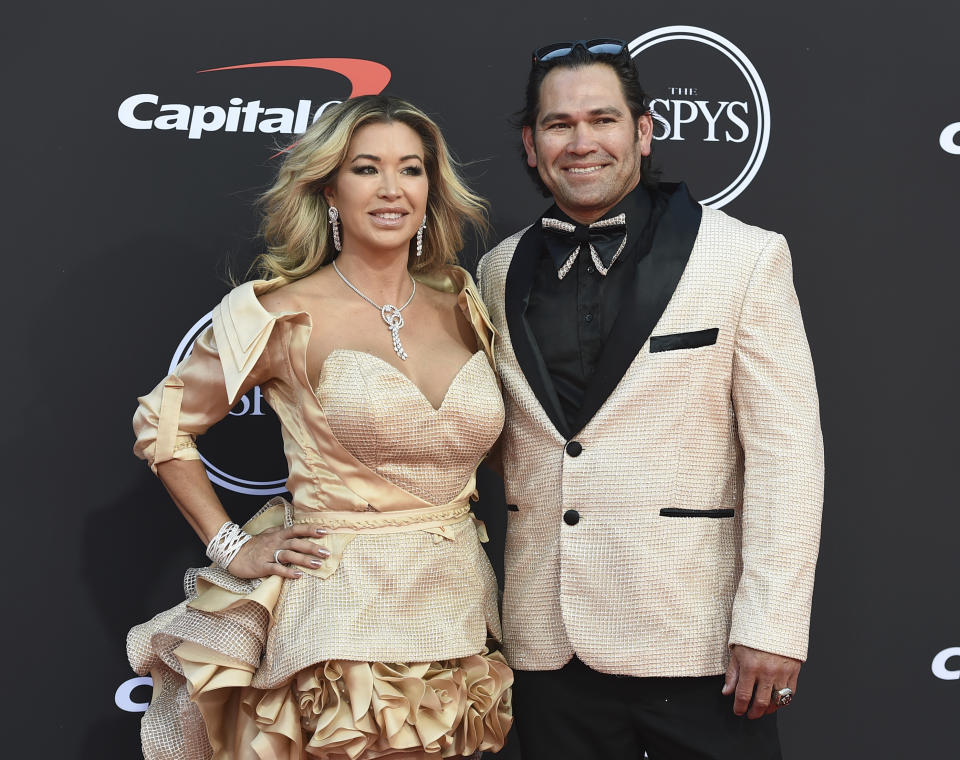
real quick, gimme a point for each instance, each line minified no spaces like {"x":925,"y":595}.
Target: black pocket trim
{"x":513,"y":508}
{"x":694,"y":339}
{"x":676,"y":512}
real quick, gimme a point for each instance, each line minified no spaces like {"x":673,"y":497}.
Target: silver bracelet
{"x":224,"y":547}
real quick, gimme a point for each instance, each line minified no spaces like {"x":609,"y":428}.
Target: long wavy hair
{"x":295,"y":226}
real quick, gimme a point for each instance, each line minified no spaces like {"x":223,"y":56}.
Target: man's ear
{"x":645,"y":133}
{"x":526,"y":134}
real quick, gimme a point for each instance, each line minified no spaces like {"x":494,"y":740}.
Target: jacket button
{"x":571,"y":517}
{"x":574,"y":448}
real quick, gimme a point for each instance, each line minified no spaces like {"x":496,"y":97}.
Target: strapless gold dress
{"x":384,"y":649}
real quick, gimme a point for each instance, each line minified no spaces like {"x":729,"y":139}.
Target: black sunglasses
{"x":600,"y":46}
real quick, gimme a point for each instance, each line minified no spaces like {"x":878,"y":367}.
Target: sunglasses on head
{"x":600,"y":46}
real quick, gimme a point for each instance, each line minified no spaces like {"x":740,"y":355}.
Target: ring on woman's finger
{"x":276,"y":556}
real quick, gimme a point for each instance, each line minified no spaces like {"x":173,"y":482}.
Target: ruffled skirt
{"x":216,"y":696}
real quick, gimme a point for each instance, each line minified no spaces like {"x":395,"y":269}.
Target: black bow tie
{"x":606,"y":240}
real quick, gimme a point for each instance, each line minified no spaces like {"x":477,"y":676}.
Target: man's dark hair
{"x":633,"y":93}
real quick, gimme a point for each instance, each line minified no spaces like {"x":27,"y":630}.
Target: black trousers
{"x":580,"y":714}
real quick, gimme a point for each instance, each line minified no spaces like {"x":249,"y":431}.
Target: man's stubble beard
{"x":604,"y":199}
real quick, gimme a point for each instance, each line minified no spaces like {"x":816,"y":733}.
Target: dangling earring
{"x":334,"y":215}
{"x":423,"y":226}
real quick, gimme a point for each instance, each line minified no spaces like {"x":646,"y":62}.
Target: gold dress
{"x":381,"y":650}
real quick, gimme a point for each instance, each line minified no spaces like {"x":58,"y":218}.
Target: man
{"x":662,"y":454}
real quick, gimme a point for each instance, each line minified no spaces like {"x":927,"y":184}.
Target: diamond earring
{"x":423,"y":226}
{"x":334,"y":216}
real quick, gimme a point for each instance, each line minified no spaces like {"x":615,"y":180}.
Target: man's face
{"x":585,"y":144}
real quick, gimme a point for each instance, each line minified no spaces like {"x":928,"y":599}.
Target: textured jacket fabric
{"x":697,"y":482}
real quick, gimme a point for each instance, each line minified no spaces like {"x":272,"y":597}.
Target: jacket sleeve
{"x":777,"y":414}
{"x":227,"y":360}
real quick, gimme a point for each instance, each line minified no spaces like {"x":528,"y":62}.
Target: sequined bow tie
{"x":606,"y":240}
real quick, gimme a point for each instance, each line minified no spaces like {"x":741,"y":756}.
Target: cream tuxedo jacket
{"x":686,"y":515}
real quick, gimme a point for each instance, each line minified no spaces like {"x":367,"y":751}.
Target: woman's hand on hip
{"x":280,"y":551}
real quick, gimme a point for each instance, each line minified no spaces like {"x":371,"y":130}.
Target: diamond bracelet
{"x":225,"y":545}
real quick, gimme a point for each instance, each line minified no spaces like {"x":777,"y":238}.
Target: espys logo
{"x":144,"y":110}
{"x":940,"y":664}
{"x":950,"y":138}
{"x":710,"y":109}
{"x":249,"y":436}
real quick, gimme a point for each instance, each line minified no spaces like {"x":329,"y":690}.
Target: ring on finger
{"x":276,"y":556}
{"x":782,"y":697}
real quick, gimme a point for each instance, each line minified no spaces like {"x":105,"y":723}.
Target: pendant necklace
{"x":390,"y":313}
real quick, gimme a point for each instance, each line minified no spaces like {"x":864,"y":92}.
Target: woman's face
{"x":381,"y":188}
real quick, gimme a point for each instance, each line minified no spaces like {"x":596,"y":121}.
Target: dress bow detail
{"x":606,"y":240}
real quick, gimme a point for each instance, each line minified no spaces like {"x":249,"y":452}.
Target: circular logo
{"x":710,"y":109}
{"x":248,"y":437}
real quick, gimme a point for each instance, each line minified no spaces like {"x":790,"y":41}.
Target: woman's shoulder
{"x":455,"y":285}
{"x":280,"y":297}
{"x":251,"y":309}
{"x":244,"y":324}
{"x":450,"y":280}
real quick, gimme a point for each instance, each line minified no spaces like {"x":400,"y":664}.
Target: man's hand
{"x":751,"y":670}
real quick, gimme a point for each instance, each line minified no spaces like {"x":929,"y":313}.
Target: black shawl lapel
{"x":517,"y":292}
{"x":655,"y":279}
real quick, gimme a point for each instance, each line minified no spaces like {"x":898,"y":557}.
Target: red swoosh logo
{"x":366,"y":77}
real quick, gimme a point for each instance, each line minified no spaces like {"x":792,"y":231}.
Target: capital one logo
{"x":710,"y":109}
{"x":943,"y":668}
{"x":248,"y":438}
{"x":145,"y":111}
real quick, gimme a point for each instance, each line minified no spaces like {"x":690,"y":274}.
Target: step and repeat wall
{"x":139,"y":136}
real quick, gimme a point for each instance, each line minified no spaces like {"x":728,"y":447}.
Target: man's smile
{"x":584,"y":169}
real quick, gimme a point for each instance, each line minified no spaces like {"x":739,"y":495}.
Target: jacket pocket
{"x":677,"y":512}
{"x":695,"y":339}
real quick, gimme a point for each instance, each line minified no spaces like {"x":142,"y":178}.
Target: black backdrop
{"x":121,"y":238}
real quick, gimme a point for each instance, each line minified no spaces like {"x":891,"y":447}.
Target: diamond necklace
{"x":390,"y":313}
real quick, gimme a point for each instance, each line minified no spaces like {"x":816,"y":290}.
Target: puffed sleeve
{"x":476,"y":313}
{"x":227,"y":360}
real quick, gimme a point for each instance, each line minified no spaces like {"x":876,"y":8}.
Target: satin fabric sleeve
{"x":473,"y":308}
{"x":777,"y":413}
{"x":204,"y":387}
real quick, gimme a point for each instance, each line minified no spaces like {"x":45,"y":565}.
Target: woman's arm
{"x":190,"y":488}
{"x":168,"y":420}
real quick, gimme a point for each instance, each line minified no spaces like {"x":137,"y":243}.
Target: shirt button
{"x":590,"y":269}
{"x":574,"y":448}
{"x":571,"y":517}
{"x":588,"y":317}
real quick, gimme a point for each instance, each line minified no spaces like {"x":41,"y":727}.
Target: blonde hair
{"x":295,"y":225}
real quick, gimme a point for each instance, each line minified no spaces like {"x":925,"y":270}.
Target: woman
{"x":351,"y":623}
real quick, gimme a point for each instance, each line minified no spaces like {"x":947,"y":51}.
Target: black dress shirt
{"x":571,"y":318}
